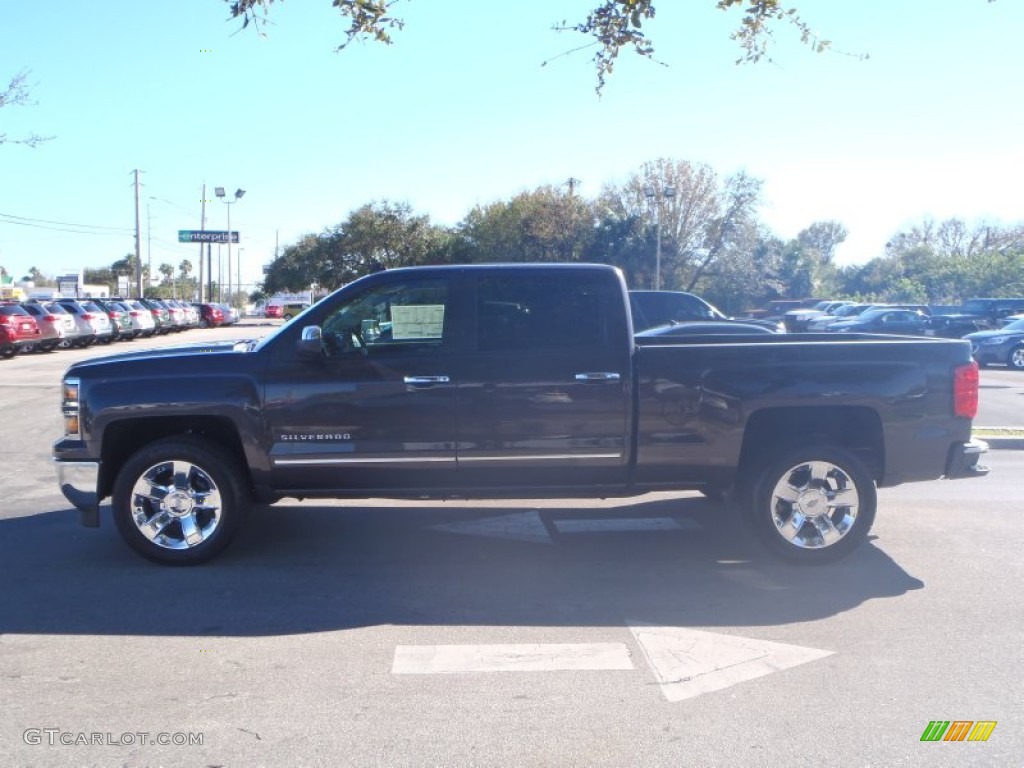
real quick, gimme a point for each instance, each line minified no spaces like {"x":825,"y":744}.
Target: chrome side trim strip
{"x":545,"y":457}
{"x":411,"y":460}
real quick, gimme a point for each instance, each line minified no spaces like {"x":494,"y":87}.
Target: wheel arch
{"x":123,"y":438}
{"x":856,"y":429}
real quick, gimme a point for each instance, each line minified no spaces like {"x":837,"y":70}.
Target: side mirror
{"x":310,"y":343}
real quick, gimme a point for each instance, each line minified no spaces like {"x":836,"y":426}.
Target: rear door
{"x":544,"y":400}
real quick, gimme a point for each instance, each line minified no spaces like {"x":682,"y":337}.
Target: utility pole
{"x":138,"y":244}
{"x":571,"y":184}
{"x":202,"y":228}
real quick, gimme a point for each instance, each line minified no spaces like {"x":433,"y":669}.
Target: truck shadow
{"x":322,"y":567}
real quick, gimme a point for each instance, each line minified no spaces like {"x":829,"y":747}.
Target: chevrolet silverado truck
{"x":510,"y":381}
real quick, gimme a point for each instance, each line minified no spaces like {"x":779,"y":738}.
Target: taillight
{"x":134,"y":313}
{"x":51,"y":318}
{"x":87,"y":316}
{"x":965,"y":390}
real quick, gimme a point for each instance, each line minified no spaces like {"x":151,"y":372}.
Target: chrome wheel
{"x":176,"y":505}
{"x":180,"y":500}
{"x":811,"y":504}
{"x":814,"y":505}
{"x":1016,"y":358}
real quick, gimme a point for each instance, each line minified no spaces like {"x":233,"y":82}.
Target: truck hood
{"x":161,"y":356}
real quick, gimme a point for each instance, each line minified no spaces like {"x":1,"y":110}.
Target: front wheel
{"x":1015,"y":359}
{"x":180,"y":501}
{"x":812,"y":504}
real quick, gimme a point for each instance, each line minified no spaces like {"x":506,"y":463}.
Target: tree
{"x":702,"y":220}
{"x":17,"y":95}
{"x":612,"y":26}
{"x":35,"y":276}
{"x":375,"y":236}
{"x":546,"y":224}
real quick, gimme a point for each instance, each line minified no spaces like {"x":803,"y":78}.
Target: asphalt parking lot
{"x":643,"y":631}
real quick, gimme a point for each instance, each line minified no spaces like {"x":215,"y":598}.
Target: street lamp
{"x":219,"y":191}
{"x":668,"y":191}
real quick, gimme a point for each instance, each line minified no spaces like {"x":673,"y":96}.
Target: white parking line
{"x":524,"y":657}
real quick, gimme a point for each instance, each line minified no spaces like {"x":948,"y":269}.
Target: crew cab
{"x":510,"y":381}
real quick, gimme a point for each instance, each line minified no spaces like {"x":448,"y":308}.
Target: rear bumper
{"x":78,"y":482}
{"x":964,"y":460}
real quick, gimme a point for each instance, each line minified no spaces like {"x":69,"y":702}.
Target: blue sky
{"x":459,"y":111}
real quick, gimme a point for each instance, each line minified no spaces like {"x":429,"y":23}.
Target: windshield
{"x":1016,"y":325}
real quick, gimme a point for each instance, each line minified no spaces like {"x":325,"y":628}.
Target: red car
{"x":17,"y":329}
{"x":274,"y":310}
{"x":210,"y":315}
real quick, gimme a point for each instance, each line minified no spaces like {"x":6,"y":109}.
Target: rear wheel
{"x":1015,"y":359}
{"x":180,"y":501}
{"x":812,"y":504}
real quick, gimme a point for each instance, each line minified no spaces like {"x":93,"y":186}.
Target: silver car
{"x":142,"y":320}
{"x":90,"y":319}
{"x":66,"y":325}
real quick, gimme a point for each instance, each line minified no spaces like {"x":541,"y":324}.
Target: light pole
{"x":668,"y":191}
{"x":219,"y":191}
{"x":238,"y":272}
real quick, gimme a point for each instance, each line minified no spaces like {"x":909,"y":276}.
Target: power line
{"x":40,"y":222}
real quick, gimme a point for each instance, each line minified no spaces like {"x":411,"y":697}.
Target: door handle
{"x":597,"y":377}
{"x":426,"y":381}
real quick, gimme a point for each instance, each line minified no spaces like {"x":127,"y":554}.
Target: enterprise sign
{"x":206,"y":236}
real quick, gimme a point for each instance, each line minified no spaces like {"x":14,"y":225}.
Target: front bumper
{"x":963,"y":460}
{"x":78,"y":482}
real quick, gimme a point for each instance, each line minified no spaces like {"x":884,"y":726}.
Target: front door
{"x":377,"y":409}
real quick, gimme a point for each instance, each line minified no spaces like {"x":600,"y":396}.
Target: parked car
{"x":797,"y":320}
{"x":51,"y":327}
{"x":951,"y":326}
{"x":20,"y":329}
{"x":273,"y":311}
{"x":161,"y":316}
{"x":93,"y":323}
{"x":70,"y":332}
{"x":231,"y":315}
{"x":178,"y":320}
{"x":191,"y":313}
{"x":989,"y":312}
{"x":650,"y":309}
{"x":1003,"y":345}
{"x":210,"y":315}
{"x":906,"y":322}
{"x":850,"y":311}
{"x":290,"y":310}
{"x":120,"y":323}
{"x":141,"y":318}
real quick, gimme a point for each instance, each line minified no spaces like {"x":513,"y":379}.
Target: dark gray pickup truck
{"x":510,"y":381}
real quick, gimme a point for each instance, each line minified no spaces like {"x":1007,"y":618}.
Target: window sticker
{"x":417,"y":321}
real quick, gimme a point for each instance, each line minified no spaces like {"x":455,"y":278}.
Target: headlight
{"x":70,"y":407}
{"x":994,"y":340}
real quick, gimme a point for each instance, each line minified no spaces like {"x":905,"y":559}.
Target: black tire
{"x":8,"y":351}
{"x":1015,"y":360}
{"x":812,"y":504}
{"x":205,"y":472}
{"x":48,"y":346}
